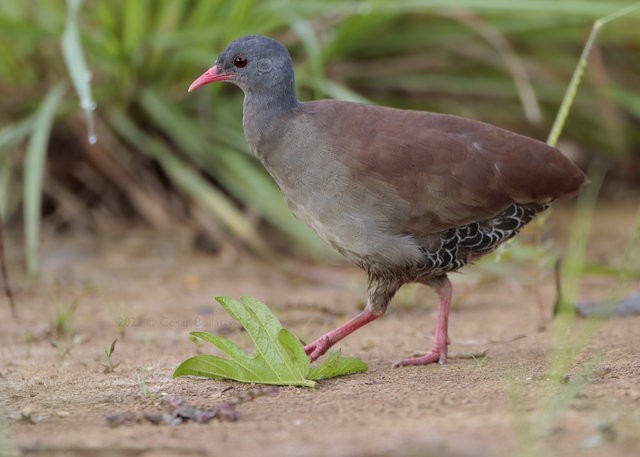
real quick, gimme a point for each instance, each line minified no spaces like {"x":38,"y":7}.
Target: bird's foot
{"x":318,"y":347}
{"x":432,"y":357}
{"x":438,"y":354}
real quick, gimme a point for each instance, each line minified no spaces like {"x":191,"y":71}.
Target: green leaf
{"x":13,"y":134}
{"x":77,"y":65}
{"x":279,"y":357}
{"x":336,"y":365}
{"x":34,"y":166}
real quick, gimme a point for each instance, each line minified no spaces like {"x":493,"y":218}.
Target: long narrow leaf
{"x":238,"y":172}
{"x":77,"y":66}
{"x":34,"y":171}
{"x":231,"y":349}
{"x":190,"y":181}
{"x":10,"y":136}
{"x":13,"y":134}
{"x":314,"y":7}
{"x":570,"y":95}
{"x":212,"y":366}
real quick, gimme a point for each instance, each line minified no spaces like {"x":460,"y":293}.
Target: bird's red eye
{"x":240,"y":61}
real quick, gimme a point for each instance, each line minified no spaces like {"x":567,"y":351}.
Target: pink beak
{"x":213,"y":74}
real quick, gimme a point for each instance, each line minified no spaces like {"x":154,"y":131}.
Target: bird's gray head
{"x":259,"y":65}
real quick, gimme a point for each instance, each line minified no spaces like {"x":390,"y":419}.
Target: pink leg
{"x":322,"y":344}
{"x":438,"y":352}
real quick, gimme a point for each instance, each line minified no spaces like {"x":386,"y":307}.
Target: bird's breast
{"x":354,"y":214}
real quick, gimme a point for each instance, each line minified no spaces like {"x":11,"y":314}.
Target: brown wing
{"x":452,"y":170}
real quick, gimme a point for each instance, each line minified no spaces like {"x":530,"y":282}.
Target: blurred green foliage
{"x":168,"y":157}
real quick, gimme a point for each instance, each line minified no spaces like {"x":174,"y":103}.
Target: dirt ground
{"x":151,"y":290}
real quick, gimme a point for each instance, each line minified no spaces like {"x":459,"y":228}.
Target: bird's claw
{"x":317,"y":348}
{"x":435,"y":356}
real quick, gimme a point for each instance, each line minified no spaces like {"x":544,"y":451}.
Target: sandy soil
{"x":151,"y":290}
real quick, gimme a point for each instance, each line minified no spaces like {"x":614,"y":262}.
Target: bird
{"x":409,"y":196}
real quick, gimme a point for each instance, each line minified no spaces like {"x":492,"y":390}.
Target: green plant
{"x":63,"y":349}
{"x":143,"y":388}
{"x":109,"y":366}
{"x":279,"y":357}
{"x":63,"y":318}
{"x":570,"y":338}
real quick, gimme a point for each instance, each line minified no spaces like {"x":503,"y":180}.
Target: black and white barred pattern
{"x":461,"y":244}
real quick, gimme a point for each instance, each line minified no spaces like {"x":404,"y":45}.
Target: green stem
{"x":570,"y":95}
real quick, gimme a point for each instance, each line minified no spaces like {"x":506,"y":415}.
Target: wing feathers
{"x":451,"y":170}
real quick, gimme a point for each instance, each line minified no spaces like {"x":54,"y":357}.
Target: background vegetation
{"x":170,"y":159}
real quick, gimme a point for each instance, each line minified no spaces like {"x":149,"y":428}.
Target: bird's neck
{"x":260,"y":111}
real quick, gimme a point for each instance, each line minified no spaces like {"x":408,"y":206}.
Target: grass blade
{"x":10,"y":137}
{"x":77,"y":66}
{"x":572,"y":90}
{"x":33,"y":173}
{"x":4,"y":275}
{"x":13,"y":134}
{"x":191,"y":182}
{"x":238,"y":172}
